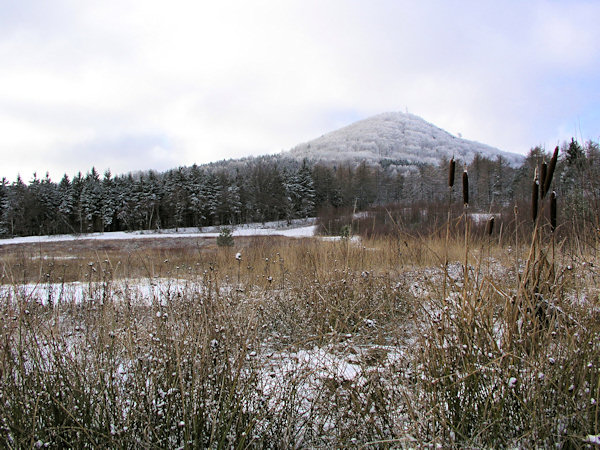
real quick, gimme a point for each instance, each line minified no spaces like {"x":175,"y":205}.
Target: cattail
{"x":543,"y":174}
{"x":451,"y":170}
{"x":550,"y":172}
{"x":534,"y":196}
{"x":553,"y":211}
{"x":490,"y":226}
{"x":465,"y":182}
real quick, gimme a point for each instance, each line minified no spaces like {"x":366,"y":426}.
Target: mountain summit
{"x":396,"y":137}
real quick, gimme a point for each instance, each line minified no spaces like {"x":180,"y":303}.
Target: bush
{"x":225,"y":238}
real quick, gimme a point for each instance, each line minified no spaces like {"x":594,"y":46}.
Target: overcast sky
{"x":127,"y":85}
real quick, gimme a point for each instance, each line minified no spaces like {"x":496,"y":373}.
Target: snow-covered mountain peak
{"x":398,"y":137}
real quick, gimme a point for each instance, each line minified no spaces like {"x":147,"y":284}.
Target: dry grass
{"x":302,"y":343}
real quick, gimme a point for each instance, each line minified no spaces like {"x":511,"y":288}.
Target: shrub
{"x":225,"y":238}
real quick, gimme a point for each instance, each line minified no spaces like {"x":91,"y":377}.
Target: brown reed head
{"x":490,"y":226}
{"x":465,"y":186}
{"x":451,"y":169}
{"x":550,"y":172}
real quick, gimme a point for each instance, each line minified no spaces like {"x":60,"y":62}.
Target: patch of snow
{"x":53,"y":258}
{"x":297,"y":229}
{"x":482,"y":217}
{"x":137,"y":290}
{"x":354,"y":239}
{"x":593,"y":439}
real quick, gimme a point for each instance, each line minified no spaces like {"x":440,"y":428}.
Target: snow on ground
{"x":482,"y":217}
{"x":297,"y":228}
{"x":354,"y":239}
{"x":140,"y":291}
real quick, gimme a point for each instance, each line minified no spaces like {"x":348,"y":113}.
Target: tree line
{"x":276,"y":187}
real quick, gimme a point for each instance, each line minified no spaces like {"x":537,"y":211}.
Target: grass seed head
{"x":451,"y":169}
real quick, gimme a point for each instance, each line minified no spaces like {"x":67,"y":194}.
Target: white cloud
{"x":182,"y":82}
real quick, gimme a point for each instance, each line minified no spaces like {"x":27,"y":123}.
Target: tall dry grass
{"x":511,"y":358}
{"x":304,"y":343}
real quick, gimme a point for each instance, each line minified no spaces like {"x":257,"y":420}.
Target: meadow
{"x":448,"y":339}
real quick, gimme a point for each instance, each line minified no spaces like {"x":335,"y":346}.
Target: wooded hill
{"x":277,"y":188}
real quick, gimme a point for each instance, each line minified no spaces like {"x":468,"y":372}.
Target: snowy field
{"x":296,"y":229}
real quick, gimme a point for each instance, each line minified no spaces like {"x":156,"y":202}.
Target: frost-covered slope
{"x":399,"y":137}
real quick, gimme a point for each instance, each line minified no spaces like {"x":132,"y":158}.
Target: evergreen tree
{"x":176,"y":197}
{"x":573,"y":181}
{"x":306,"y":205}
{"x":78,"y":209}
{"x":49,"y":201}
{"x":108,"y":202}
{"x":13,"y":214}
{"x":149,"y":196}
{"x":225,"y":238}
{"x":210,"y":205}
{"x":3,"y":206}
{"x":65,"y":205}
{"x":291,"y":183}
{"x":125,"y":202}
{"x":592,"y":184}
{"x":198,"y":197}
{"x":91,"y":201}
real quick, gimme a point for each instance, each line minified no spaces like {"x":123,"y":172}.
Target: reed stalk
{"x":451,"y":170}
{"x":543,"y":175}
{"x":465,"y":189}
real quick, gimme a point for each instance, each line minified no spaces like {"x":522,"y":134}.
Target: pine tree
{"x":91,"y":201}
{"x":65,"y":206}
{"x":325,"y":186}
{"x":573,"y":182}
{"x":108,"y":207}
{"x":176,"y":197}
{"x":125,"y":202}
{"x":49,"y":203}
{"x":13,"y":217}
{"x":225,"y":238}
{"x":3,"y":206}
{"x":198,"y":194}
{"x":78,"y":213}
{"x":210,"y":205}
{"x":292,"y":198}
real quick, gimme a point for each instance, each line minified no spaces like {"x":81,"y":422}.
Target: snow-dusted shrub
{"x":225,"y":237}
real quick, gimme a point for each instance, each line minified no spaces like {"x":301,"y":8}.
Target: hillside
{"x":398,"y":137}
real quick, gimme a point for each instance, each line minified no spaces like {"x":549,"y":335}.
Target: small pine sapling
{"x":225,"y":237}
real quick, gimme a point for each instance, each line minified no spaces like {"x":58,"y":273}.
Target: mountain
{"x":395,"y":138}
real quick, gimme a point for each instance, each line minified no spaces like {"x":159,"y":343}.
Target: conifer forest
{"x":277,"y":187}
